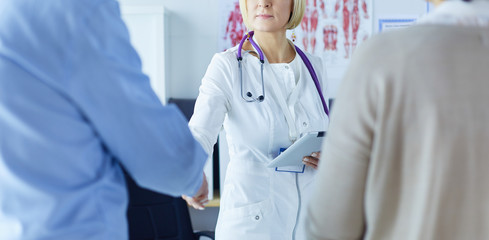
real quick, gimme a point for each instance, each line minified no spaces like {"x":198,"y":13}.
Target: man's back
{"x":74,"y":105}
{"x":431,"y":137}
{"x":406,"y":154}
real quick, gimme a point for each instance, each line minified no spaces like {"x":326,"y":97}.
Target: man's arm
{"x":152,"y":142}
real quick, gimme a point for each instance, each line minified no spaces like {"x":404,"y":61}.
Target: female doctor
{"x":263,"y":108}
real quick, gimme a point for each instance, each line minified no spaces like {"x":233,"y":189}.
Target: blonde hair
{"x":295,"y":19}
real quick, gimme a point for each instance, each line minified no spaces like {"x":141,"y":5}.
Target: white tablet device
{"x":292,"y":156}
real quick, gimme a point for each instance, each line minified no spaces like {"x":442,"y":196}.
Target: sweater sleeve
{"x":336,"y":210}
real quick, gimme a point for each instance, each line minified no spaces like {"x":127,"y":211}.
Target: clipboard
{"x":292,"y":156}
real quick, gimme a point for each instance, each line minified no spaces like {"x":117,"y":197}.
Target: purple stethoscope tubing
{"x":306,"y":61}
{"x":260,"y":98}
{"x":249,"y":36}
{"x":314,"y":78}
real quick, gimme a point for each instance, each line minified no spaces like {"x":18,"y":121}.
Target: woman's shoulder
{"x":312,"y":58}
{"x":228,"y":54}
{"x":224,"y":61}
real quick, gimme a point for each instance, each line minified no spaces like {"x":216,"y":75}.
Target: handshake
{"x":200,"y":198}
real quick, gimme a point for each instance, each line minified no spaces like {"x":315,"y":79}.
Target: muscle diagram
{"x":330,"y":28}
{"x":310,"y":22}
{"x":235,"y":28}
{"x":330,"y":37}
{"x":326,"y":19}
{"x":351,"y":22}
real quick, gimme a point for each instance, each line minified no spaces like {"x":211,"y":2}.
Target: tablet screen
{"x":292,"y":156}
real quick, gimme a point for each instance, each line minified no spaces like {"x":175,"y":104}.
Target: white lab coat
{"x":258,"y":202}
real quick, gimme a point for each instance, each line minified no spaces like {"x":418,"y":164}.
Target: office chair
{"x":152,"y":215}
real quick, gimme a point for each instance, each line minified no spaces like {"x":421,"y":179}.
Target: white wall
{"x":398,"y":9}
{"x":191,"y":41}
{"x":192,"y":36}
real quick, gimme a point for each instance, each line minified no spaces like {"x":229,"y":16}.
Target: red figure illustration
{"x":326,"y":37}
{"x":351,"y":22}
{"x":310,"y":21}
{"x":235,"y":28}
{"x":330,"y":37}
{"x":346,"y":27}
{"x":313,"y":27}
{"x":305,"y":29}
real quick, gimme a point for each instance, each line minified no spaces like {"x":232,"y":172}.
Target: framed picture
{"x":393,"y":23}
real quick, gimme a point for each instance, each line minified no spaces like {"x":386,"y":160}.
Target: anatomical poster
{"x":333,"y":29}
{"x":330,"y":29}
{"x":232,"y":28}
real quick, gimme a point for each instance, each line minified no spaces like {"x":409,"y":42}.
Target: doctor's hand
{"x":313,"y":160}
{"x":200,"y":198}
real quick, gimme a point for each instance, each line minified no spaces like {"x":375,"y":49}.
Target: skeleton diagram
{"x":235,"y":28}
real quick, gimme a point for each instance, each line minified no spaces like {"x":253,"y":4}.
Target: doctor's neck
{"x":275,"y":46}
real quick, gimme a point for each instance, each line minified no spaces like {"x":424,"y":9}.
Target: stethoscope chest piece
{"x":248,"y":96}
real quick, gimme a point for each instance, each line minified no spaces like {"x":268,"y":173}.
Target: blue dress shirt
{"x":74,"y":106}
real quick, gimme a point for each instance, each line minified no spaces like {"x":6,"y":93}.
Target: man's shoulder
{"x":408,"y":39}
{"x":392,"y":46}
{"x":52,"y":8}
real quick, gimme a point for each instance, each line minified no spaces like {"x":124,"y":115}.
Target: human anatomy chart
{"x":330,"y":29}
{"x":232,"y":27}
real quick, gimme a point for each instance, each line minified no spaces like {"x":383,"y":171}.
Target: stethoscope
{"x":249,"y":96}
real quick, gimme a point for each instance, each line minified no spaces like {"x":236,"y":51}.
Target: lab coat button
{"x":257,"y":217}
{"x":286,"y":67}
{"x":304,"y":124}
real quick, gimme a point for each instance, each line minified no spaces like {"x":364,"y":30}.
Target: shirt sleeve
{"x":151,"y":141}
{"x":336,"y":210}
{"x":212,"y":103}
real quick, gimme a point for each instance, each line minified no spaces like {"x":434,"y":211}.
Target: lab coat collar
{"x":283,"y":101}
{"x":265,"y":57}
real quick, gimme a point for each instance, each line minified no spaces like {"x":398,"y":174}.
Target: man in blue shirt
{"x":74,"y":107}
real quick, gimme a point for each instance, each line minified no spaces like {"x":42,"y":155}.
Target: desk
{"x":215,"y":202}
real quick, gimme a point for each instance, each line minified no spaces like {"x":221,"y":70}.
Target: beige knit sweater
{"x":407,"y":153}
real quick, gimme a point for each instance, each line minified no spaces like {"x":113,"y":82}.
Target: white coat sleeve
{"x":213,"y":102}
{"x":151,"y":141}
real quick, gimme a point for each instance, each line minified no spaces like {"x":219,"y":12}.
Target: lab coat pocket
{"x":255,"y":211}
{"x":248,"y":219}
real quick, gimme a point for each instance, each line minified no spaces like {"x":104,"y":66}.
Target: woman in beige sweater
{"x":407,"y":153}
